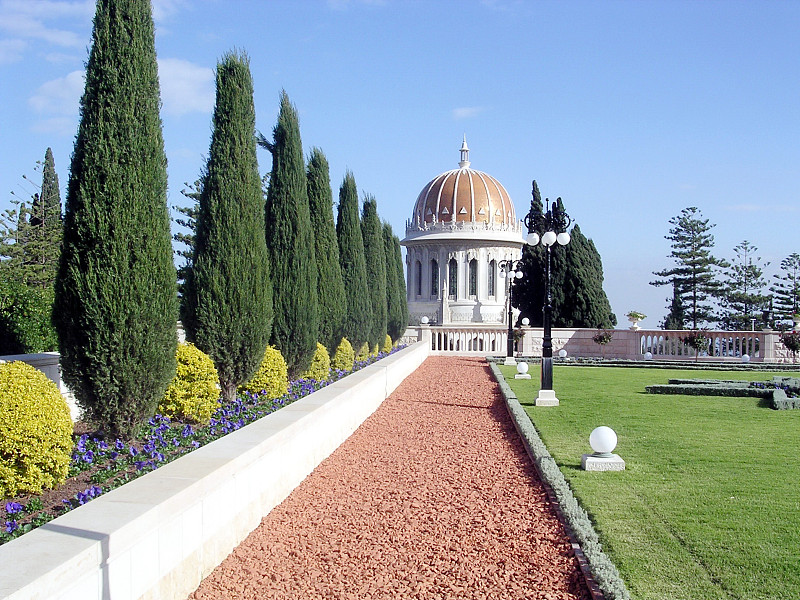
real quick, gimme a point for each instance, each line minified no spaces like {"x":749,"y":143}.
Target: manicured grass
{"x":709,"y":504}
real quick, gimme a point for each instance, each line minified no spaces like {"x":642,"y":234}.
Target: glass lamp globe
{"x":526,"y":321}
{"x":518,"y":274}
{"x":522,"y":368}
{"x":532,"y":239}
{"x":745,"y":358}
{"x":562,"y":353}
{"x":549,"y":238}
{"x":603,"y":440}
{"x":563,"y":238}
{"x":503,"y":274}
{"x":424,"y":320}
{"x":648,"y":356}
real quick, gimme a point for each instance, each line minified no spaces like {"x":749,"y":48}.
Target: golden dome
{"x":464,"y":195}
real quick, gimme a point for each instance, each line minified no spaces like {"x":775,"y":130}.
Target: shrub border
{"x":601,"y":575}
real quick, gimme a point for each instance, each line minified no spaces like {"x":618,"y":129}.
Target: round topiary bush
{"x":272,"y":377}
{"x":35,"y":431}
{"x":320,"y":368}
{"x":343,"y":357}
{"x":363,"y":352}
{"x":387,"y":344}
{"x":194,"y":392}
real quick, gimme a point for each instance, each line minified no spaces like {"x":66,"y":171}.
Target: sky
{"x":630,"y":111}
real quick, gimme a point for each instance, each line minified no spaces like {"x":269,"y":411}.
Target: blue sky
{"x":630,"y":111}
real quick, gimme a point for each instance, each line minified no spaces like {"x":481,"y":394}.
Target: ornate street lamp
{"x":549,"y":228}
{"x":508,"y":271}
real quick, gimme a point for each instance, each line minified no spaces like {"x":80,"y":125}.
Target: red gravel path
{"x":432,"y":497}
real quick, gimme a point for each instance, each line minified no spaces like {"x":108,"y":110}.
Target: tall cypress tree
{"x":228,"y":298}
{"x":356,"y":326}
{"x":330,"y":287}
{"x":393,"y":308}
{"x":290,"y":241}
{"x":375,"y":259}
{"x":585,"y":303}
{"x":45,"y":228}
{"x":401,"y":298}
{"x":116,"y":306}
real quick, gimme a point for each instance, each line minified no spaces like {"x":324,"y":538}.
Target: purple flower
{"x":187,"y":431}
{"x":11,"y":526}
{"x":119,"y":445}
{"x":113,"y":455}
{"x":13,"y":507}
{"x":88,"y":457}
{"x":102,"y":445}
{"x":195,"y":444}
{"x":133,"y":451}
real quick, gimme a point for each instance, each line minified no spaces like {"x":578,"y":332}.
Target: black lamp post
{"x":508,"y":270}
{"x":549,"y":228}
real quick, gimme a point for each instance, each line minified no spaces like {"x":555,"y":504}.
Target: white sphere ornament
{"x":648,"y":356}
{"x":562,"y":353}
{"x":424,"y":320}
{"x":519,"y":274}
{"x":526,"y":321}
{"x":563,"y":238}
{"x":532,"y":239}
{"x":549,"y":238}
{"x":603,"y":440}
{"x":522,"y":368}
{"x":745,"y":358}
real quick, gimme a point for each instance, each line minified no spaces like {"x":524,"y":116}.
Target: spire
{"x":464,"y":154}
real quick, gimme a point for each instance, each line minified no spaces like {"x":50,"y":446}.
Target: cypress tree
{"x":356,"y":325}
{"x":45,"y":228}
{"x":402,"y":298}
{"x":116,"y":305}
{"x":375,"y":259}
{"x":228,"y":298}
{"x":676,"y":316}
{"x":585,"y":303}
{"x":394,"y":314}
{"x":290,"y":242}
{"x":330,"y":287}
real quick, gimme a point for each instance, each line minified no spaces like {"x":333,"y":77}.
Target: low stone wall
{"x":159,"y":535}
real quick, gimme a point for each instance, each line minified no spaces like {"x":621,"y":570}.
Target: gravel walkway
{"x":433,"y":497}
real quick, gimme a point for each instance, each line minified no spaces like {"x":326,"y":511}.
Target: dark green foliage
{"x":742,"y":299}
{"x":25,"y":324}
{"x":395,"y":297}
{"x":786,"y":288}
{"x":585,"y":302}
{"x":676,"y":317}
{"x":356,"y":326}
{"x":115,"y":302}
{"x":228,"y":302}
{"x":401,"y":299}
{"x":375,"y":259}
{"x":290,"y":242}
{"x":330,"y":287}
{"x":694,"y":275}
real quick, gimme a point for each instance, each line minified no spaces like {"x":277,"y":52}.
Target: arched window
{"x":418,"y":275}
{"x":452,"y":278}
{"x":492,"y":276}
{"x":473,"y":277}
{"x":434,"y":277}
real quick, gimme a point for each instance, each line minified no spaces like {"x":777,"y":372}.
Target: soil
{"x":432,"y":497}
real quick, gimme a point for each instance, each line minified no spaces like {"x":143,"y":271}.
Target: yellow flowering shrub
{"x":272,"y":377}
{"x":320,"y":368}
{"x":35,"y":431}
{"x":343,"y":357}
{"x":387,"y":344}
{"x":363,"y":352}
{"x":194,"y":391}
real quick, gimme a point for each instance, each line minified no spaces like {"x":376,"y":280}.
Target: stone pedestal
{"x":594,"y":462}
{"x":510,"y":361}
{"x":546,"y":398}
{"x":522,"y":376}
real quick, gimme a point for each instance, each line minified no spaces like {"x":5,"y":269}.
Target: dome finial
{"x":464,"y":154}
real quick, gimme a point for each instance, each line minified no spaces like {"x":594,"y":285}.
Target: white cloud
{"x":185,"y":87}
{"x":59,"y":96}
{"x":467,"y":112}
{"x":28,"y":19}
{"x":11,"y":51}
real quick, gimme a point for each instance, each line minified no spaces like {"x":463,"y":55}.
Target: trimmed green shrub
{"x":344,"y":356}
{"x":35,"y":431}
{"x":320,"y":368}
{"x":387,"y":344}
{"x":272,"y":377}
{"x":194,"y":391}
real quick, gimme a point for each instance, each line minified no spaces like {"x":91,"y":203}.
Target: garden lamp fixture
{"x":549,"y":228}
{"x":509,"y":271}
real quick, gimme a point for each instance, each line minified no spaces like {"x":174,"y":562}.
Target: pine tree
{"x":290,"y":242}
{"x":676,"y":317}
{"x":743,"y":299}
{"x":330,"y":287}
{"x":695,"y":272}
{"x":786,"y":288}
{"x":394,"y":309}
{"x":375,"y":259}
{"x":228,"y":301}
{"x":188,"y":222}
{"x":585,"y":303}
{"x":115,"y":288}
{"x":356,"y":325}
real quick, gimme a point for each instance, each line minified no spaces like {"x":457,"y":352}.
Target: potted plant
{"x":698,"y":340}
{"x":519,"y":335}
{"x":634,"y":317}
{"x":791,"y":340}
{"x":602,"y":337}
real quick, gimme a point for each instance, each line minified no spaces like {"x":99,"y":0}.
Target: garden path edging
{"x":602,"y":577}
{"x":159,"y":535}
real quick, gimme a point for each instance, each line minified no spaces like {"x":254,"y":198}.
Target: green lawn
{"x":709,"y":503}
